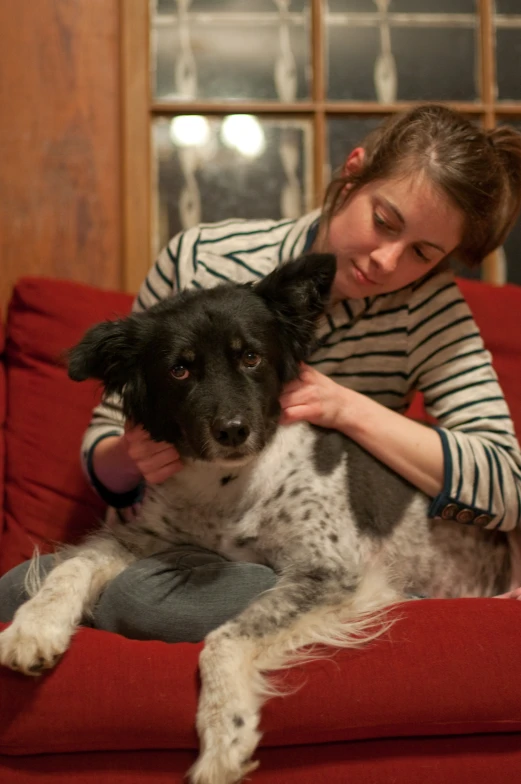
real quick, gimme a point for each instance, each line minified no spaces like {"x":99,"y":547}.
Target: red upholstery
{"x":436,"y":700}
{"x":418,"y":680}
{"x":471,"y":759}
{"x":497,"y":311}
{"x":47,"y":498}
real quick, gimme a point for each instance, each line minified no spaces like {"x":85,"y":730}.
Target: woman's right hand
{"x":155,"y":461}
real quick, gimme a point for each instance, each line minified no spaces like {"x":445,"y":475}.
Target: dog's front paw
{"x":227,"y":745}
{"x":212,"y":768}
{"x":32,"y":647}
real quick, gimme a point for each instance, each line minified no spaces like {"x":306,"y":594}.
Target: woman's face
{"x":389,"y":234}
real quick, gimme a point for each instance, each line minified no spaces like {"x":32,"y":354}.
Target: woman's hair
{"x":479,"y":170}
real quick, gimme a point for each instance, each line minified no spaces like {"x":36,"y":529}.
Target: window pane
{"x":436,"y":63}
{"x":508,"y":49}
{"x":440,"y":6}
{"x":389,"y":56}
{"x":351,"y":5}
{"x":240,"y":166}
{"x":231,"y":50}
{"x":406,"y":6}
{"x":508,"y":7}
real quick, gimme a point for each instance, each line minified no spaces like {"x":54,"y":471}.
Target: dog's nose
{"x":230,"y":432}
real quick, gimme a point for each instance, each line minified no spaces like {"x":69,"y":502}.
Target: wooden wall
{"x":60,"y":162}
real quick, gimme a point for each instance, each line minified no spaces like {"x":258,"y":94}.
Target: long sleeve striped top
{"x":422,"y":337}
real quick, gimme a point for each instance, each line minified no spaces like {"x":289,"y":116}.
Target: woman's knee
{"x":180,"y":596}
{"x":13,"y":591}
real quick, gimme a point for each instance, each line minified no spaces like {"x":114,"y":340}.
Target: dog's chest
{"x":247,"y":513}
{"x":213,"y":509}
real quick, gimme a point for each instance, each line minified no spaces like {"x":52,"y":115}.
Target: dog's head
{"x":204,"y":369}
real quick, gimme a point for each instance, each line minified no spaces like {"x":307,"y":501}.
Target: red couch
{"x":436,"y":700}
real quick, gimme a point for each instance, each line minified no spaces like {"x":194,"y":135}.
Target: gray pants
{"x":177,"y":596}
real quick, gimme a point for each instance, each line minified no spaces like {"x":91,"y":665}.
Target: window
{"x":235,"y":109}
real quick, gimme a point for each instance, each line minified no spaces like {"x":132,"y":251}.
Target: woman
{"x":424,"y":186}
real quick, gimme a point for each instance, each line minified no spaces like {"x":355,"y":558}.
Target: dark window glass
{"x":508,"y":58}
{"x":394,"y":57}
{"x":231,"y":51}
{"x":209,"y":169}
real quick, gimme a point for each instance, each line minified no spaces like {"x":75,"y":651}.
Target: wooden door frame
{"x":135,"y":142}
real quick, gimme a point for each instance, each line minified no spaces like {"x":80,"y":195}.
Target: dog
{"x":345,"y":535}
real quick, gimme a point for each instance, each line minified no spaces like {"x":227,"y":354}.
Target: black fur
{"x":378,"y":497}
{"x":224,"y":406}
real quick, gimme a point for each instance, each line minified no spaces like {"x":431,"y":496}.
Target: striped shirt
{"x":422,"y":337}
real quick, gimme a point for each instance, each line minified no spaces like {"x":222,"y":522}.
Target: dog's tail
{"x":359,"y":619}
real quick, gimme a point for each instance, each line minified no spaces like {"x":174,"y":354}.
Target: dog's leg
{"x":42,"y":628}
{"x":227,"y":718}
{"x":314,"y":608}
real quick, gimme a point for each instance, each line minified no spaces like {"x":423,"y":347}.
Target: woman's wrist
{"x":113,"y":466}
{"x":351,"y":412}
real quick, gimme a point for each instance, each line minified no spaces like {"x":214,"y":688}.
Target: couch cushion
{"x":47,"y":499}
{"x":446,"y":667}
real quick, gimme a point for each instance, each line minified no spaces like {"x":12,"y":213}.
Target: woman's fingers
{"x":160,"y":466}
{"x":294,"y":414}
{"x":157,"y":475}
{"x":142,"y":450}
{"x":291,"y":386}
{"x":156,"y":460}
{"x":299,"y":397}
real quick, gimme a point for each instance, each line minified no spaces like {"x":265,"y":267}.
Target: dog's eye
{"x":179,"y":372}
{"x":250,"y":359}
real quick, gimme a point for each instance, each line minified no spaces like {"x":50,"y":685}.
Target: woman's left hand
{"x":313,"y":397}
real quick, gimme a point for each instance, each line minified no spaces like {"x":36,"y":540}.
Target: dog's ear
{"x":109,"y":352}
{"x":112,"y":352}
{"x":297,"y":293}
